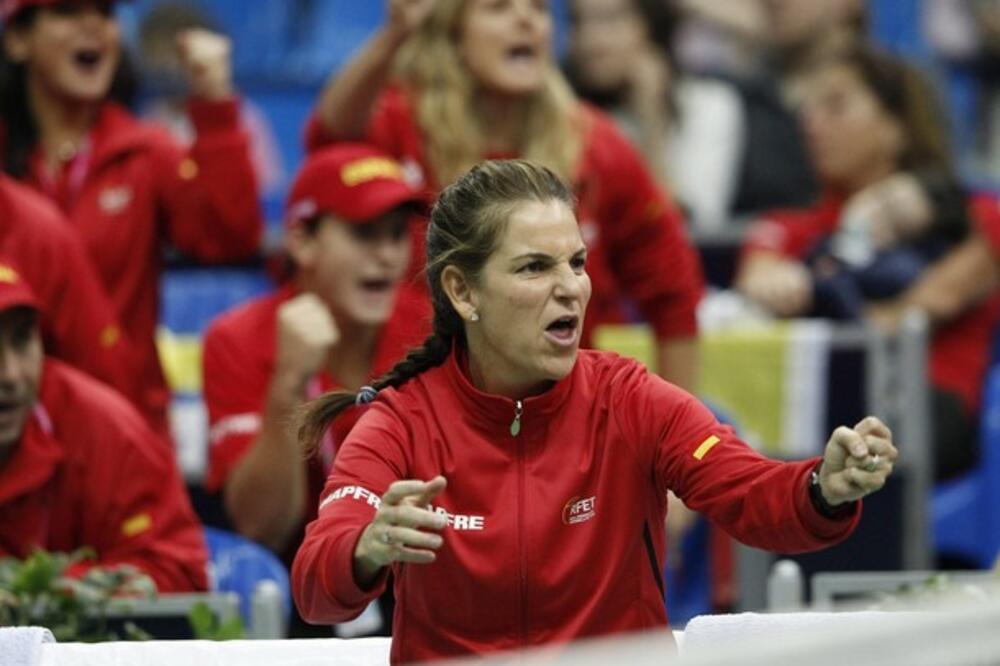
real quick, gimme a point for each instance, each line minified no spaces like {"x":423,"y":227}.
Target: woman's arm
{"x":346,"y":103}
{"x":955,"y":283}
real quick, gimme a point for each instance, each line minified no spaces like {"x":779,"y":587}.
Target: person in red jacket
{"x":127,"y":188}
{"x":79,"y":467}
{"x":79,"y":324}
{"x":345,"y":316}
{"x":857,"y":257}
{"x":516,"y":486}
{"x":447,"y":83}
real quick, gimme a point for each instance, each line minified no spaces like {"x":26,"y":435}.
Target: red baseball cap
{"x":352,"y":181}
{"x":11,"y":8}
{"x":14,"y":289}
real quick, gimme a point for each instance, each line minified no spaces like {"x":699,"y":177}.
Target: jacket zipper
{"x":515,"y":429}
{"x":515,"y":425}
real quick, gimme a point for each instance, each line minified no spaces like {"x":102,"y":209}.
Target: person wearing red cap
{"x":79,"y":324}
{"x":79,"y":467}
{"x":127,"y":188}
{"x":345,"y":316}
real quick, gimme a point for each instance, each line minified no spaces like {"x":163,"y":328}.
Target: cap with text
{"x":14,"y":289}
{"x":354,"y":182}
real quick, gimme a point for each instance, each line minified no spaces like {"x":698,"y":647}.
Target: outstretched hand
{"x":856,"y":461}
{"x":403,"y":529}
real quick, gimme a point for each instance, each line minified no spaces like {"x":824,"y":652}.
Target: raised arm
{"x":348,"y":98}
{"x":255,"y":456}
{"x":208,"y":193}
{"x":761,"y":502}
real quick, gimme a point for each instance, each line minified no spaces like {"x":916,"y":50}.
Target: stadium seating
{"x":966,"y":511}
{"x":237,"y":564}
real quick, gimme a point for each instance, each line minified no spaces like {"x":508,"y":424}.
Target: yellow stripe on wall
{"x":705,"y":447}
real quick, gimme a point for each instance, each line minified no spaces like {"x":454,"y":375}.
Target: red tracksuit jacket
{"x":556,"y":533}
{"x":88,"y":471}
{"x":636,"y":243}
{"x":78,"y":321}
{"x":133,"y":189}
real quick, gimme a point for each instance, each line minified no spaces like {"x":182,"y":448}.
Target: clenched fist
{"x":856,"y":461}
{"x":207,"y":60}
{"x":306,"y":332}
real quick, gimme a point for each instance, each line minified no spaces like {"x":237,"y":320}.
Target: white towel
{"x":707,"y":632}
{"x":22,"y":646}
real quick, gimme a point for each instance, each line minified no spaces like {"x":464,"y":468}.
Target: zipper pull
{"x":515,"y":425}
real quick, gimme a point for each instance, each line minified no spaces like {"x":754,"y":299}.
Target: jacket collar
{"x":496,"y":413}
{"x":116,"y":132}
{"x":35,"y":461}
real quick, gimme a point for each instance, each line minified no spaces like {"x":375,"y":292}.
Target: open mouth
{"x":9,"y":409}
{"x":87,"y":58}
{"x":377,"y":286}
{"x":524,"y":53}
{"x":563,"y":331}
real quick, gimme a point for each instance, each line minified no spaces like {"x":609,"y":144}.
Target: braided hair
{"x":467,"y":225}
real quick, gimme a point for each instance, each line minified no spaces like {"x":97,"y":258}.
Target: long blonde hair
{"x":428,"y":66}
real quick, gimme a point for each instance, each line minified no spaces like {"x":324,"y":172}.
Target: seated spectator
{"x":871,"y":122}
{"x":79,"y":466}
{"x":78,"y":324}
{"x":345,"y":316}
{"x":128,"y":189}
{"x":166,"y":89}
{"x":688,"y":128}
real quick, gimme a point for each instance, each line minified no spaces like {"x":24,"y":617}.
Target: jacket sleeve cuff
{"x":214,"y":116}
{"x":820,"y":526}
{"x":345,"y":588}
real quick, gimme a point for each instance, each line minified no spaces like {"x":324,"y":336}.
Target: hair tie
{"x":365,"y":395}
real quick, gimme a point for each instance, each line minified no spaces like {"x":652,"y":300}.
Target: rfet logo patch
{"x":579,"y":510}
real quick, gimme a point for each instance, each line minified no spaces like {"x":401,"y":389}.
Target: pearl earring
{"x":474,"y":316}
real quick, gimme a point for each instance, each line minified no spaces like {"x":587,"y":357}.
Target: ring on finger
{"x":873,"y":465}
{"x":385,"y":538}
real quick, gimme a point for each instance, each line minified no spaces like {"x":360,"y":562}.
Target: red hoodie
{"x":88,"y":471}
{"x":78,"y":321}
{"x":132,"y":189}
{"x":556,"y":533}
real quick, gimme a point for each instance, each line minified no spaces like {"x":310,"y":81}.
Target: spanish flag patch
{"x":705,"y":447}
{"x":137,"y":524}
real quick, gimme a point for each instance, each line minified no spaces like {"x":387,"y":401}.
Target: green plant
{"x":208,"y":627}
{"x":43,"y":590}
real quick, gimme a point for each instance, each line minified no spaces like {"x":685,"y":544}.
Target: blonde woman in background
{"x":444,"y":84}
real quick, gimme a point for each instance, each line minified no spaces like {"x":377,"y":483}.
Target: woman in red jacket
{"x":127,"y":189}
{"x":522,"y":482}
{"x":875,"y":246}
{"x":447,"y":83}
